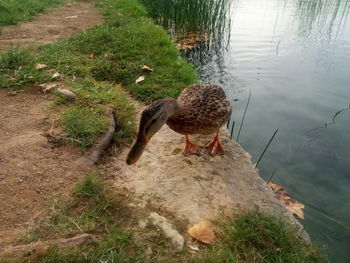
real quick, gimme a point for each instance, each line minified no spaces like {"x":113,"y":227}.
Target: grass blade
{"x":267,"y":146}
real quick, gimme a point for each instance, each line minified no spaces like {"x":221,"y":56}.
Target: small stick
{"x":53,"y":123}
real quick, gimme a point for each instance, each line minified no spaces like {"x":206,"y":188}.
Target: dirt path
{"x":32,"y":170}
{"x":64,"y":22}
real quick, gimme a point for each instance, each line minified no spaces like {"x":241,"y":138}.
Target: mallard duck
{"x":200,"y":109}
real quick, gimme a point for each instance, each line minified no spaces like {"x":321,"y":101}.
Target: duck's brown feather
{"x":204,"y":110}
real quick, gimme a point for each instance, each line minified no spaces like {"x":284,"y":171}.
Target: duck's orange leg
{"x":215,"y":146}
{"x":190,"y":148}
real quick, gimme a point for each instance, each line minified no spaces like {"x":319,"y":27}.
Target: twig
{"x":267,"y":146}
{"x":53,"y":123}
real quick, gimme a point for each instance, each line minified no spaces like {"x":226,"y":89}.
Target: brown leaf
{"x":202,"y":231}
{"x":275,"y":187}
{"x":140,"y":79}
{"x":91,"y":56}
{"x":67,"y":93}
{"x":288,"y":201}
{"x":48,"y":86}
{"x":146,"y":68}
{"x":56,"y":75}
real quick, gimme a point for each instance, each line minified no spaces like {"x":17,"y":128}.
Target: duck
{"x":199,"y":109}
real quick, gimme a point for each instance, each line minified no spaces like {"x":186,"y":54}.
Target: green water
{"x":294,"y":56}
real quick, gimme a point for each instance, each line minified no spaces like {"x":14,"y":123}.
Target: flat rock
{"x":197,"y":187}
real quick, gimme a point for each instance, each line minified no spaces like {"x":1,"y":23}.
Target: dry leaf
{"x":48,"y":86}
{"x":40,"y":66}
{"x":91,"y":56}
{"x":55,"y":76}
{"x":275,"y":187}
{"x":289,"y":202}
{"x":70,"y":17}
{"x":67,"y":93}
{"x":190,"y":40}
{"x":146,"y":68}
{"x":106,"y":57}
{"x":140,"y":79}
{"x":202,"y":231}
{"x":192,"y":246}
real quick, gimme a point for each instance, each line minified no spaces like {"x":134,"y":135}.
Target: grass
{"x":14,"y":11}
{"x":93,"y":63}
{"x":94,"y":208}
{"x":261,"y":238}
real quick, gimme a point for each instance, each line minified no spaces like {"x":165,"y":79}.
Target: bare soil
{"x":61,"y":23}
{"x":34,"y":167}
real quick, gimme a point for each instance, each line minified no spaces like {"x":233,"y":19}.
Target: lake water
{"x":294,"y":58}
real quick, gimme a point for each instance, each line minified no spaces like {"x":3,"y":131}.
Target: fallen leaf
{"x":55,"y":76}
{"x":190,"y":40}
{"x":70,"y":17}
{"x":275,"y":187}
{"x":40,"y":66}
{"x":140,"y":79}
{"x":67,"y":93}
{"x":202,"y":231}
{"x":106,"y":57}
{"x":48,"y":86}
{"x":288,"y":201}
{"x":192,"y":246}
{"x":91,"y":56}
{"x":146,"y":68}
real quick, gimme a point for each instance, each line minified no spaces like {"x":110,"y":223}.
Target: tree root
{"x":43,"y":245}
{"x":94,"y":154}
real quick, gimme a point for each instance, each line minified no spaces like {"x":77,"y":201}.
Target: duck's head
{"x":152,"y":119}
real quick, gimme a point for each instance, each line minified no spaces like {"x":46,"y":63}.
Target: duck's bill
{"x":136,"y":151}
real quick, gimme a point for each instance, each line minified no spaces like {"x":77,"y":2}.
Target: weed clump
{"x":83,"y":126}
{"x":257,"y":237}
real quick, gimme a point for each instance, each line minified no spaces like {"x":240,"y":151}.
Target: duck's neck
{"x":172,"y":107}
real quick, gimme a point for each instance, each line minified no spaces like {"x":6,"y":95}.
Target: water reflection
{"x":201,"y":28}
{"x":294,"y":55}
{"x":326,"y":17}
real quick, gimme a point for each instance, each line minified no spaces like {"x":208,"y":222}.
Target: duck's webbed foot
{"x":215,"y":146}
{"x":190,"y":148}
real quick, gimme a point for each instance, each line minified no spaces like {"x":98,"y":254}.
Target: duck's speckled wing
{"x":205,"y":109}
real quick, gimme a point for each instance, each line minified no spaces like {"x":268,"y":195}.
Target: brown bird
{"x":200,"y":109}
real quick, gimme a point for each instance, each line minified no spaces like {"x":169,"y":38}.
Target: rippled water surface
{"x":294,"y":57}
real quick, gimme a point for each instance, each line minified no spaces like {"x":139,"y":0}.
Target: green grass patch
{"x":261,"y":238}
{"x":13,"y":11}
{"x":17,"y":68}
{"x":95,"y":208}
{"x":115,"y":52}
{"x":83,"y":126}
